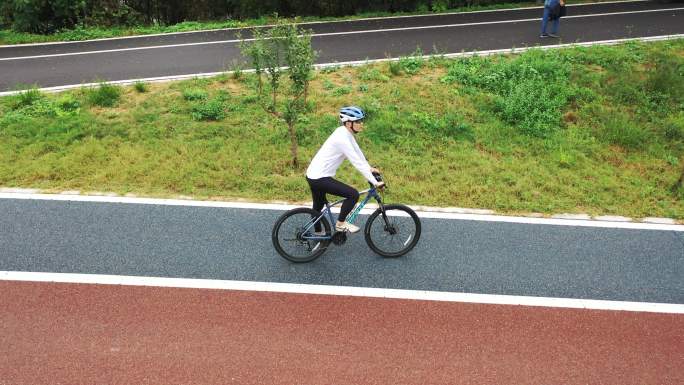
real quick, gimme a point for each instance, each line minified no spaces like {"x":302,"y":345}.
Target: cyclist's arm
{"x":355,"y":156}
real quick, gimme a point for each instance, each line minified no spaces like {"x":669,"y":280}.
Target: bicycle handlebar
{"x":378,"y":177}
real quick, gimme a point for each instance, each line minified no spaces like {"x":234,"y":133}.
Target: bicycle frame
{"x":327,"y":212}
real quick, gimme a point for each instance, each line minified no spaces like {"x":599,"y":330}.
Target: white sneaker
{"x":346,"y":226}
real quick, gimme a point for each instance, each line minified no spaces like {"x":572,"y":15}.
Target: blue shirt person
{"x":549,"y":5}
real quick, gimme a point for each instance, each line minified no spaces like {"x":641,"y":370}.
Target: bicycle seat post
{"x":328,"y":209}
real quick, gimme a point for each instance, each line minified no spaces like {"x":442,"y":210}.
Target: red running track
{"x":100,"y":334}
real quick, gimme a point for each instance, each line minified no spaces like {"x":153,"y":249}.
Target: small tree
{"x":283,"y":48}
{"x":256,"y":51}
{"x":679,"y":185}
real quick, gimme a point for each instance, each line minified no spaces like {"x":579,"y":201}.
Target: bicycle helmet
{"x":351,"y":114}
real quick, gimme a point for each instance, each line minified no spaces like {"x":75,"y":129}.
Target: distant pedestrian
{"x":552,"y":12}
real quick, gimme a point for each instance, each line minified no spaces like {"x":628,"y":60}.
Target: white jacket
{"x":340,"y":145}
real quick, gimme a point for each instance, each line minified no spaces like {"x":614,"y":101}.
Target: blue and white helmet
{"x":351,"y":114}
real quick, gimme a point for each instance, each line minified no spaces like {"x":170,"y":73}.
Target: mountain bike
{"x":304,"y":234}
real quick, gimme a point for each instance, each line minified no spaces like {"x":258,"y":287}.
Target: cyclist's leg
{"x":335,"y":187}
{"x":319,"y":200}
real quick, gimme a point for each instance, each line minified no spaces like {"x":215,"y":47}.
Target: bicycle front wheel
{"x":292,"y":232}
{"x":394,"y":232}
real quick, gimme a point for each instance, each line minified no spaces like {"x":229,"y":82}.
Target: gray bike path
{"x":196,"y":59}
{"x":234,"y":244}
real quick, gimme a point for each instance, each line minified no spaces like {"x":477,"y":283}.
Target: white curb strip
{"x":423,"y":211}
{"x":342,"y":291}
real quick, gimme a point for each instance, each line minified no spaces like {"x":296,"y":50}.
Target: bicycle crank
{"x":339,"y":238}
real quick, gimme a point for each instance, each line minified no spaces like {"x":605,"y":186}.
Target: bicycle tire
{"x":278,"y":229}
{"x":407,"y":245}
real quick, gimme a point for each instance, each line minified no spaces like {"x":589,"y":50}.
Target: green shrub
{"x":28,"y":98}
{"x":213,"y":109}
{"x":141,"y":87}
{"x":33,"y":103}
{"x":41,"y":16}
{"x":394,"y":67}
{"x":105,"y":95}
{"x":535,"y":107}
{"x":237,"y":72}
{"x":110,"y":13}
{"x":372,"y":74}
{"x":80,"y":32}
{"x":68,"y":105}
{"x":440,"y":6}
{"x":344,"y":90}
{"x":532,"y":89}
{"x":412,"y":64}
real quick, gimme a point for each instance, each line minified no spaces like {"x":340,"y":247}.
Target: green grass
{"x":95,"y":32}
{"x":597,"y":130}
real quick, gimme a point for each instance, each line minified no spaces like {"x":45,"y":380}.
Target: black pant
{"x":322,"y":186}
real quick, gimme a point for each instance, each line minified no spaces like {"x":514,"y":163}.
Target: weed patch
{"x":532,"y":90}
{"x":192,"y":94}
{"x":105,"y":95}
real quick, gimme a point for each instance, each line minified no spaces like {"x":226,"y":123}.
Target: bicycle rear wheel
{"x":290,"y":232}
{"x":395,"y":233}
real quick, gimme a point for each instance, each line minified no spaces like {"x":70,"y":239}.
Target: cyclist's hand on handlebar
{"x":380,"y":186}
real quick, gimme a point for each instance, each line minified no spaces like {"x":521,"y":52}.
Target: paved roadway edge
{"x":399,"y":29}
{"x":311,"y":22}
{"x":355,"y":63}
{"x":490,"y":299}
{"x":577,"y":220}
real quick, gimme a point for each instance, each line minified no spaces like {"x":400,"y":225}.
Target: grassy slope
{"x":444,"y":136}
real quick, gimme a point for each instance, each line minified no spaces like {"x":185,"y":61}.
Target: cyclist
{"x":323,"y":167}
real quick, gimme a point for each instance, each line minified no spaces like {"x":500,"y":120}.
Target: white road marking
{"x":290,"y":288}
{"x":441,"y":214}
{"x":536,"y":19}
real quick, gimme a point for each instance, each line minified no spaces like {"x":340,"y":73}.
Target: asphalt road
{"x":206,"y":52}
{"x":234,"y":244}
